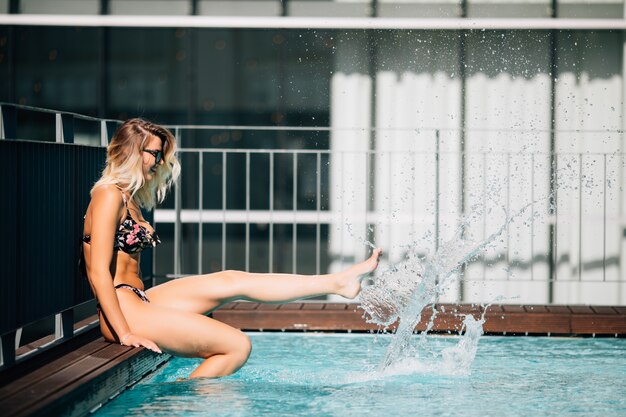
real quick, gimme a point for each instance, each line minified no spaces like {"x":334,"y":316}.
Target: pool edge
{"x":78,"y":382}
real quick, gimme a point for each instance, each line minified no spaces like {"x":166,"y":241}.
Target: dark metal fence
{"x":46,"y":193}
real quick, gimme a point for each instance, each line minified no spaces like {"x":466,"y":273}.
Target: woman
{"x":141,"y":165}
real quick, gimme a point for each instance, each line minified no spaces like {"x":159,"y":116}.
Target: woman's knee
{"x":243,"y":348}
{"x":238,"y":346}
{"x":239,"y":353}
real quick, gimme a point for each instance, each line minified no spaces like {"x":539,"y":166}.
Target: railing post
{"x":64,"y":128}
{"x":8,"y":349}
{"x":200,"y":208}
{"x":8,"y":124}
{"x":270,"y":267}
{"x":18,"y":337}
{"x":64,"y":324}
{"x":106,"y":132}
{"x":437,"y":191}
{"x":247,"y":247}
{"x":294,"y":235}
{"x":178,"y":224}
{"x":437,"y":188}
{"x":224,"y":182}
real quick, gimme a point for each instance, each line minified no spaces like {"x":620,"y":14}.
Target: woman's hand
{"x":130,"y":339}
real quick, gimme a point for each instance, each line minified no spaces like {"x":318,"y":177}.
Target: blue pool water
{"x":338,"y":375}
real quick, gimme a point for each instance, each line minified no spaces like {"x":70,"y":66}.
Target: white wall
{"x":507,"y":117}
{"x":351,"y":89}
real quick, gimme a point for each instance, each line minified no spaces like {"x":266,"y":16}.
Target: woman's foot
{"x":350,"y":279}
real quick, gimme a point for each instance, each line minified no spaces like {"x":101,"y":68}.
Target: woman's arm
{"x":106,"y":206}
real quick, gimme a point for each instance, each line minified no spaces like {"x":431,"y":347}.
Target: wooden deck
{"x":74,"y":378}
{"x":500,"y":319}
{"x":87,"y":371}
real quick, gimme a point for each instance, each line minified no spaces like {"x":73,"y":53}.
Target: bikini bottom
{"x":141,"y":294}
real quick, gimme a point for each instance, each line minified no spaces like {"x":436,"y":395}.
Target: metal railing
{"x":575,"y":207}
{"x":65,"y":125}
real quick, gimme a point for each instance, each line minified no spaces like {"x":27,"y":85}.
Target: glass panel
{"x":34,"y":125}
{"x":148,"y":74}
{"x":341,"y":8}
{"x":239,"y":8}
{"x":150,"y":7}
{"x":86,"y":132}
{"x":264,"y":77}
{"x":5,"y":69}
{"x":60,"y":6}
{"x":57,"y":68}
{"x":509,"y":8}
{"x":591,"y":9}
{"x":419,"y":8}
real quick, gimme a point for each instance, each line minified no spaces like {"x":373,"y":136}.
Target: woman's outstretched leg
{"x":203,"y":293}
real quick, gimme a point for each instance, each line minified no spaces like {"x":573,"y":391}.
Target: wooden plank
{"x":267,"y":307}
{"x":37,"y":360}
{"x":228,"y":306}
{"x":312,"y":306}
{"x":291,"y":306}
{"x":335,"y":306}
{"x":523,"y":323}
{"x":63,"y":377}
{"x":34,"y":344}
{"x":603,"y":310}
{"x":97,"y":387}
{"x":85,"y":322}
{"x":513,"y":308}
{"x":444,"y":321}
{"x":469,"y":309}
{"x":620,"y":310}
{"x":559,"y":309}
{"x":332,"y":320}
{"x":536,"y":309}
{"x":508,"y":319}
{"x":581,"y":310}
{"x":598,"y":324}
{"x":495,"y":308}
{"x":354,"y":307}
{"x":50,"y":368}
{"x":247,"y":306}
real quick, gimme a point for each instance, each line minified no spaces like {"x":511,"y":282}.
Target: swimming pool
{"x":335,"y":375}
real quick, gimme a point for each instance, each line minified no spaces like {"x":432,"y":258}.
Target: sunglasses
{"x":158,"y":155}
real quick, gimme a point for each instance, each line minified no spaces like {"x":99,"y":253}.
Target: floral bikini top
{"x":131,"y":237}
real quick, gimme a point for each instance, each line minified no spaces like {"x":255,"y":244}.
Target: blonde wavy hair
{"x":124,"y":164}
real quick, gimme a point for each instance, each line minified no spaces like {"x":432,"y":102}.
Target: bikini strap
{"x":126,"y":205}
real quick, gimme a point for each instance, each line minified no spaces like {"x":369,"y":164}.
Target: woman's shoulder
{"x":107,"y":194}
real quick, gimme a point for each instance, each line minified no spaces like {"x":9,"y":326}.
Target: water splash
{"x":401,"y":293}
{"x":451,"y":360}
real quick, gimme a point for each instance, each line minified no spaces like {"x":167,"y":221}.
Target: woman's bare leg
{"x":203,"y":293}
{"x":223,"y":348}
